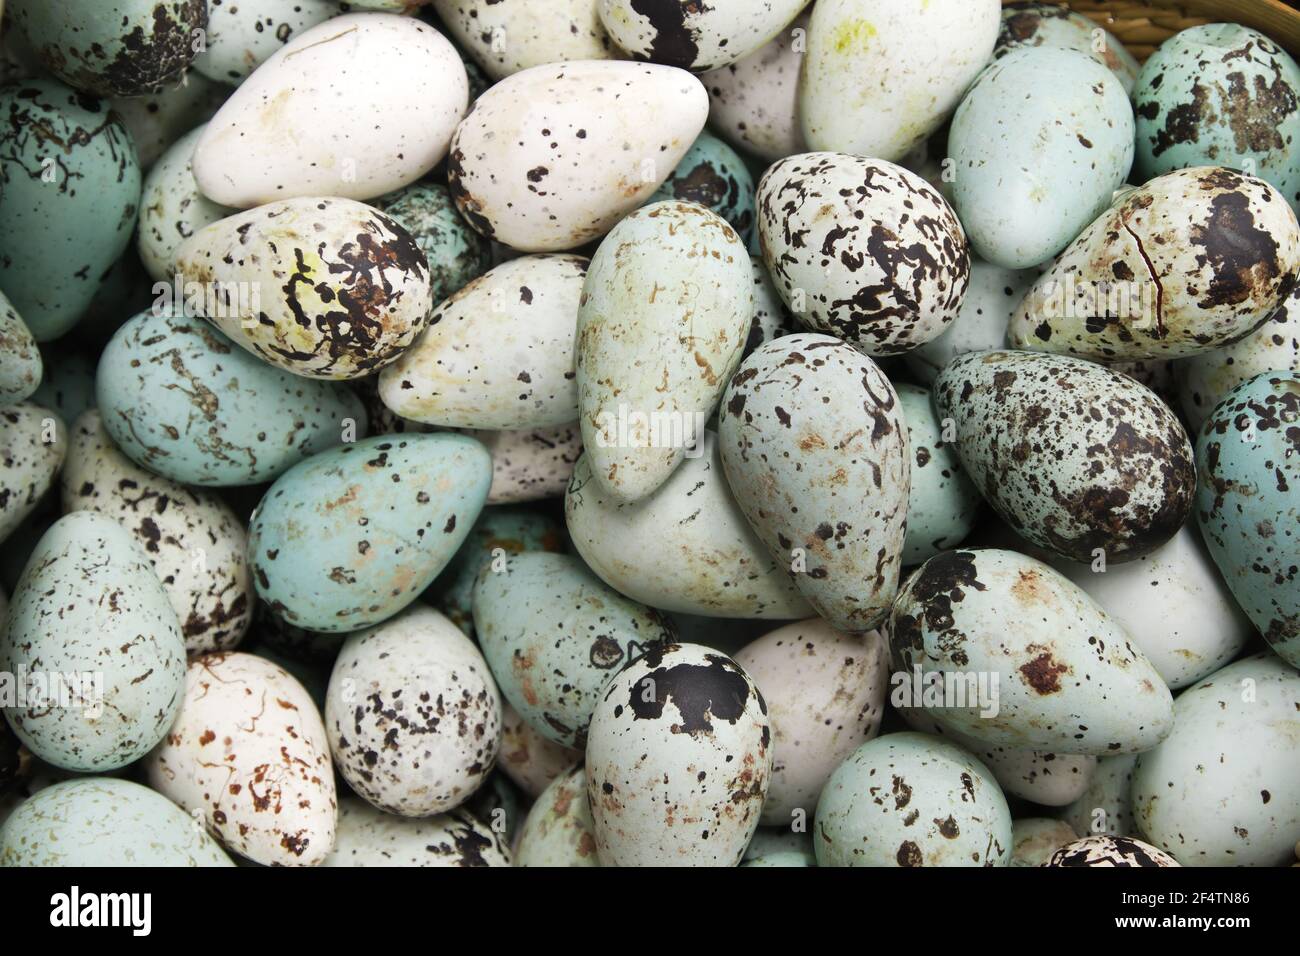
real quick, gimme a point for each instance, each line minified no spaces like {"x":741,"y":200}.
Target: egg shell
{"x":413,"y":716}
{"x":498,"y":354}
{"x":771,"y":319}
{"x":943,"y":808}
{"x":862,"y":249}
{"x":323,"y":288}
{"x":194,"y":541}
{"x":665,"y":312}
{"x":816,"y":451}
{"x":89,"y":605}
{"x":688,"y":548}
{"x":218,"y":432}
{"x":696,"y":36}
{"x":1105,"y":807}
{"x":21,"y":365}
{"x":531,"y":165}
{"x":455,"y":252}
{"x":1061,"y":674}
{"x":1046,"y":24}
{"x":773,"y":841}
{"x":1192,"y":261}
{"x":34,"y":440}
{"x":559,"y":830}
{"x":715,"y":176}
{"x":943,"y":503}
{"x":506,"y":36}
{"x":1248,"y":468}
{"x":1109,"y":851}
{"x":530,"y":760}
{"x":530,"y":464}
{"x":919,"y":55}
{"x":369,"y":837}
{"x":100,"y":821}
{"x":353,"y":535}
{"x":1035,"y":839}
{"x":66,"y":225}
{"x":171,"y":207}
{"x":243,"y":34}
{"x":159,"y":118}
{"x":314,"y":118}
{"x":68,"y":383}
{"x":825,"y":693}
{"x":679,"y":758}
{"x":1039,"y":144}
{"x":554,"y":634}
{"x":1077,"y":458}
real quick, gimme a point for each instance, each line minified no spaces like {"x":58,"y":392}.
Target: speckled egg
{"x":171,"y":207}
{"x":530,"y":464}
{"x":506,"y":36}
{"x":1109,"y":851}
{"x":90,"y":607}
{"x":113,"y":47}
{"x":1248,"y":456}
{"x":1039,"y":144}
{"x":531,"y":165}
{"x":771,"y":319}
{"x":912,"y":800}
{"x":1046,"y":24}
{"x":21,"y":365}
{"x":1035,"y":839}
{"x":498,"y":354}
{"x":323,"y":288}
{"x":943,"y":503}
{"x":1192,"y":261}
{"x":248,"y":756}
{"x":1001,"y":647}
{"x":1106,"y":805}
{"x":370,"y":837}
{"x":527,"y":758}
{"x":102,"y":821}
{"x":185,"y":402}
{"x":679,"y":759}
{"x":351,"y":536}
{"x":33,"y":444}
{"x":559,"y":830}
{"x":695,"y":36}
{"x":243,"y":34}
{"x":456,"y":253}
{"x":878,"y":78}
{"x":715,"y":176}
{"x":1077,"y":458}
{"x":163,"y":115}
{"x":68,"y":210}
{"x":353,"y":107}
{"x":815,"y":449}
{"x":665,"y":312}
{"x":687,"y":548}
{"x":554,"y":634}
{"x":192,"y":538}
{"x":862,"y":249}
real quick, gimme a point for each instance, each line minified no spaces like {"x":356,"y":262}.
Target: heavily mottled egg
{"x":816,"y":452}
{"x":21,"y":365}
{"x":243,"y":34}
{"x":1001,"y":647}
{"x":90,"y":609}
{"x":370,"y":837}
{"x":559,"y":830}
{"x":456,"y":253}
{"x":715,"y":176}
{"x":912,"y":800}
{"x":1109,"y":851}
{"x":527,"y":758}
{"x":943,"y":503}
{"x":506,"y":36}
{"x":33,"y":444}
{"x":351,"y":108}
{"x":182,"y":400}
{"x":679,"y":758}
{"x":531,"y":165}
{"x":1248,"y":456}
{"x":1046,"y":24}
{"x":554,"y":634}
{"x":1035,"y":839}
{"x":1077,"y":458}
{"x":1106,"y":805}
{"x":656,"y":345}
{"x":323,"y":288}
{"x":351,"y":536}
{"x":413,"y":717}
{"x":171,"y":207}
{"x":1039,"y":144}
{"x":862,"y":249}
{"x":696,"y":36}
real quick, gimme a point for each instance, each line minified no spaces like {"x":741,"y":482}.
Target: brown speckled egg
{"x":370,"y":837}
{"x":1110,"y":851}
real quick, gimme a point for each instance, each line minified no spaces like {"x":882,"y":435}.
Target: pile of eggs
{"x":486,"y":432}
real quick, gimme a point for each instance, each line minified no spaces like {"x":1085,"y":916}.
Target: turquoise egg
{"x":69,"y":202}
{"x":1248,"y":502}
{"x":456,"y":253}
{"x":68,"y":385}
{"x":20,"y":359}
{"x":353,"y":535}
{"x":182,"y":400}
{"x":943,"y":502}
{"x":715,"y":176}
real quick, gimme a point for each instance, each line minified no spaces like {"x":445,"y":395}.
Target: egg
{"x":1035,"y":839}
{"x":816,"y":451}
{"x":21,"y":365}
{"x":688,"y":548}
{"x":455,"y":252}
{"x":532,"y":166}
{"x":34,"y":440}
{"x":1046,"y":24}
{"x":559,"y":830}
{"x":530,"y":760}
{"x":160,"y":117}
{"x":498,"y":354}
{"x":351,"y":536}
{"x":715,"y":176}
{"x":862,"y":249}
{"x":1191,"y":261}
{"x":113,"y":47}
{"x":180,"y":399}
{"x":68,"y":210}
{"x":369,"y":837}
{"x":1001,"y":647}
{"x":1039,"y":144}
{"x":943,"y":503}
{"x":314,"y":118}
{"x":412,"y":714}
{"x":244,"y":34}
{"x":1249,"y":466}
{"x":1106,"y":805}
{"x":323,"y":288}
{"x":171,"y":207}
{"x":679,"y":758}
{"x":193,"y":539}
{"x":912,"y":800}
{"x":769,"y":842}
{"x":1109,"y":851}
{"x":695,"y":36}
{"x":506,"y":36}
{"x":655,"y":348}
{"x":248,"y":756}
{"x":95,"y":646}
{"x":530,"y":464}
{"x":1077,"y":458}
{"x":102,"y":821}
{"x":68,"y":384}
{"x":771,"y":319}
{"x":919,"y":56}
{"x":554,"y":634}
{"x":825,"y":693}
